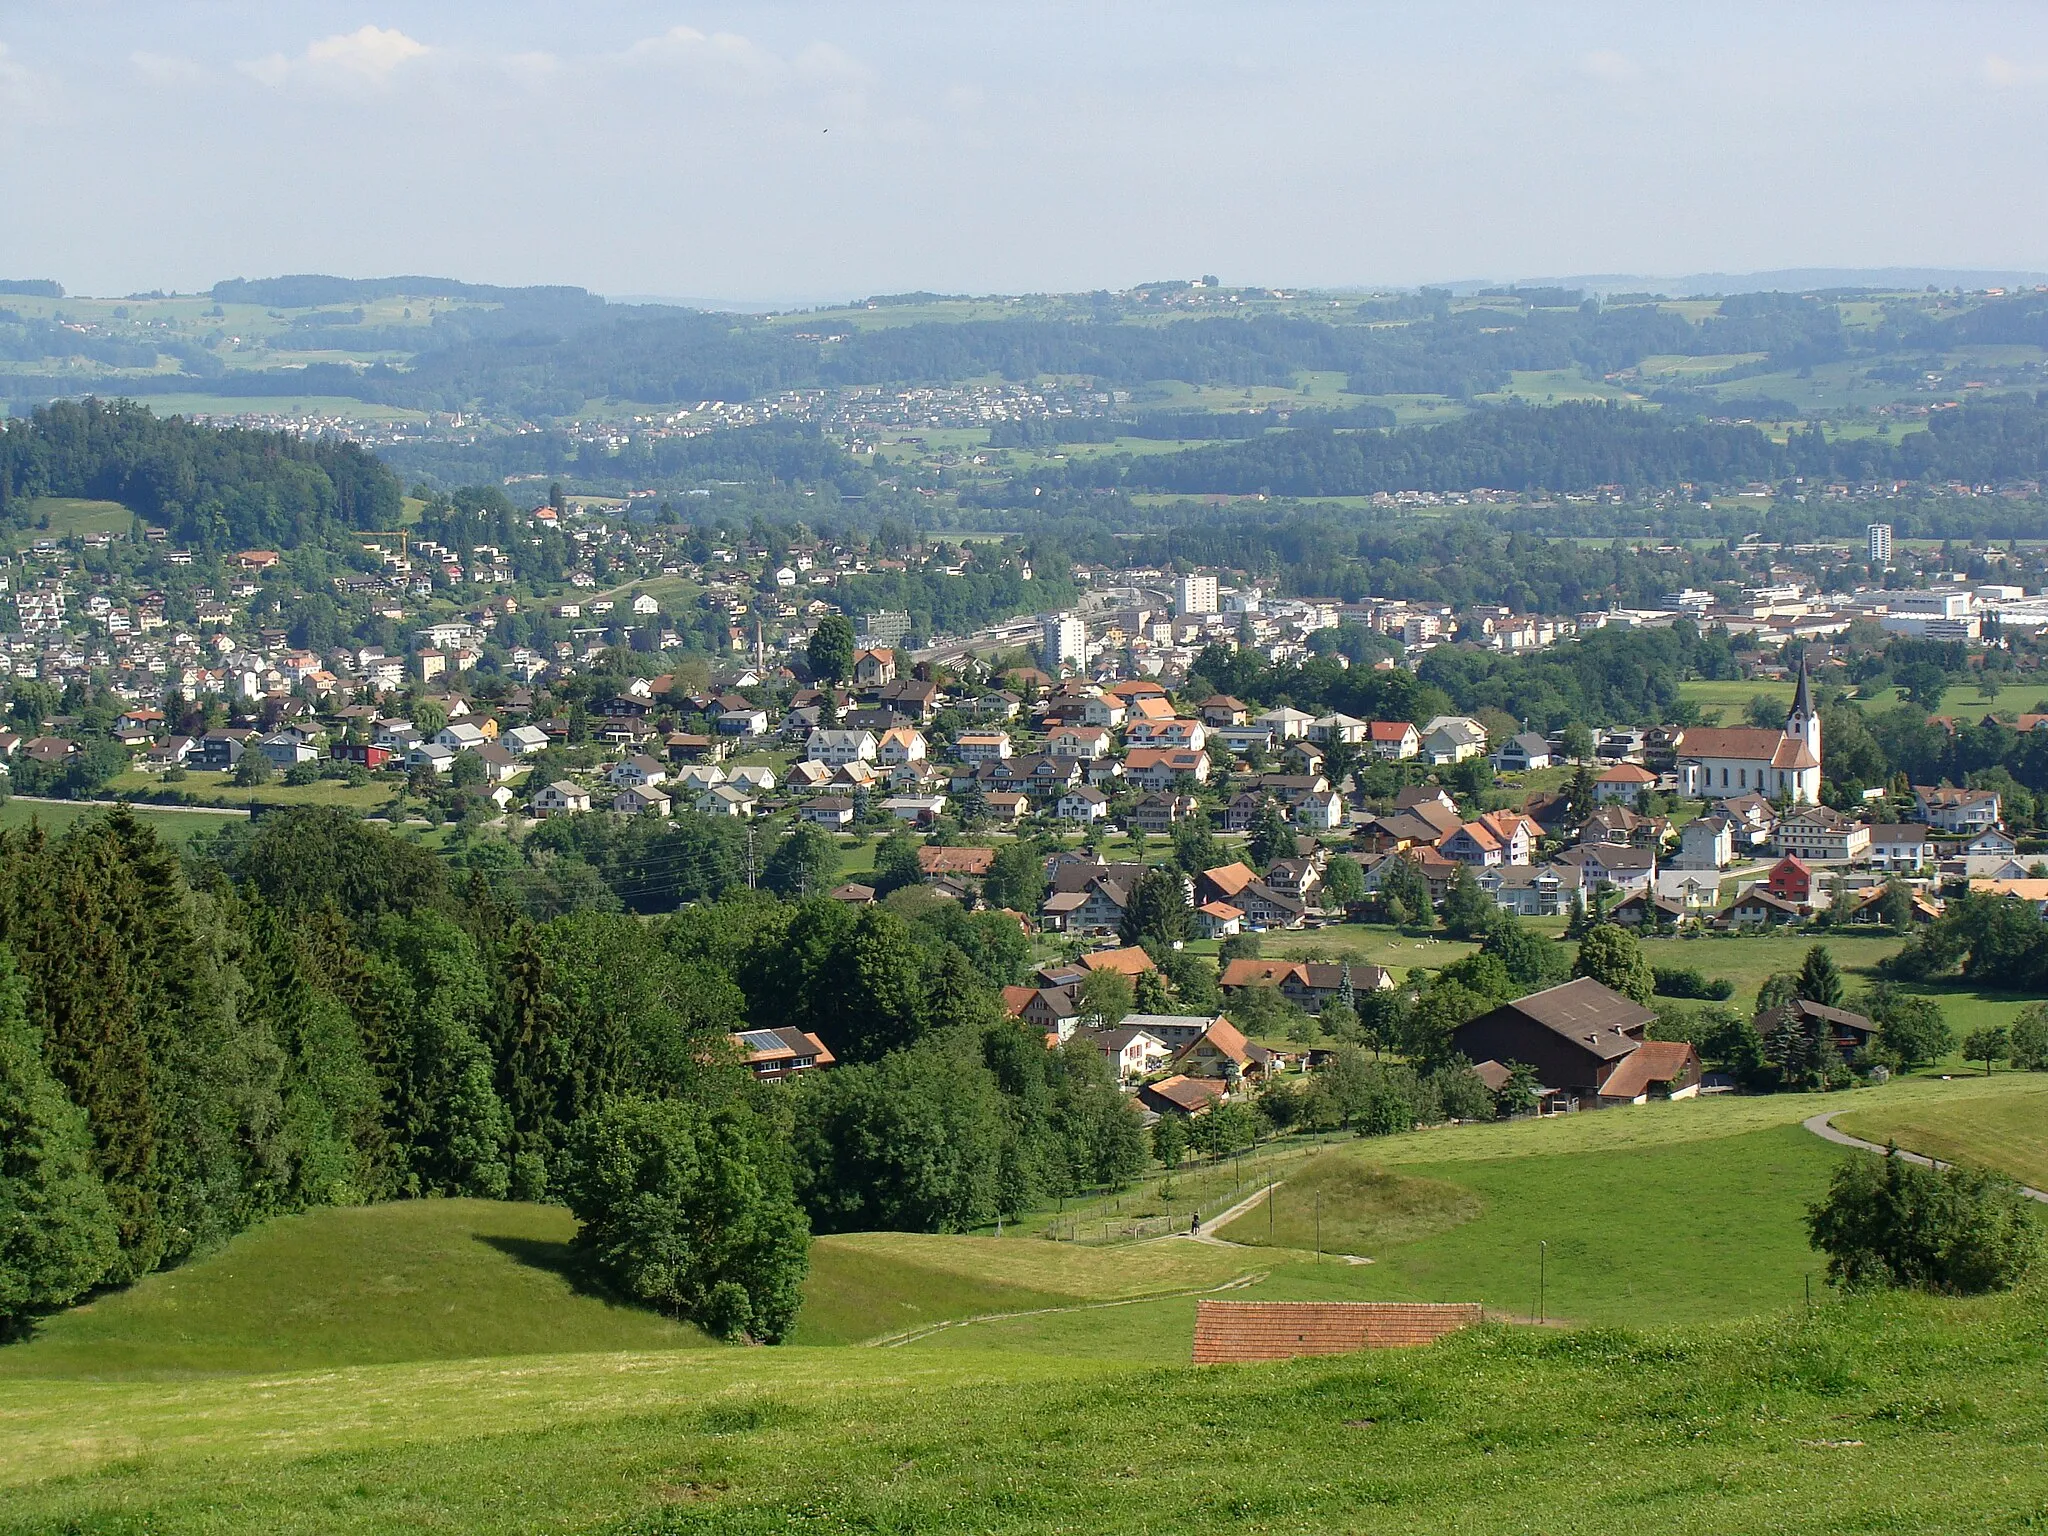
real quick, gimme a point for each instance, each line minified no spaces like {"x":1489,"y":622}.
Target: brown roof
{"x":1243,"y":1331}
{"x":1189,"y":1095}
{"x":1655,"y":1061}
{"x":1126,"y":962}
{"x":1591,"y":1016}
{"x":1756,"y":744}
{"x":1229,"y":878}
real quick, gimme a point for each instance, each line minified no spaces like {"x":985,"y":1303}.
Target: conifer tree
{"x":57,"y":1231}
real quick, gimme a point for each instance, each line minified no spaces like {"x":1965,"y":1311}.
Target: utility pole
{"x":1319,"y":1226}
{"x":1542,"y":1275}
{"x":750,"y":856}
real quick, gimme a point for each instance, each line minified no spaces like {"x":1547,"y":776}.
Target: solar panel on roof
{"x":761,"y":1040}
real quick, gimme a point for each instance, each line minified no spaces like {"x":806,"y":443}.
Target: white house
{"x":834,"y":747}
{"x":634,"y":800}
{"x":726,"y":800}
{"x":524,"y":739}
{"x":981,"y":746}
{"x":1958,"y":810}
{"x":833,"y":812}
{"x":899,"y":745}
{"x":460,"y":736}
{"x":1083,"y":803}
{"x":1393,"y":740}
{"x":560,"y":798}
{"x":1287,"y":724}
{"x":1901,"y":848}
{"x":1706,"y":843}
{"x":1087,"y":742}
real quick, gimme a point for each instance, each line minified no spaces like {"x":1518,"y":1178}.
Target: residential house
{"x":1133,"y":1053}
{"x":1625,"y":869}
{"x":1160,"y":811}
{"x":1306,"y":983}
{"x":1218,"y":920}
{"x":1393,"y":740}
{"x":872,"y":669}
{"x":1220,"y":709}
{"x":748,"y":721}
{"x":1547,"y":890}
{"x":1819,"y":835}
{"x":1849,"y":1033}
{"x":1758,"y":908}
{"x":559,"y":799}
{"x":775,"y":1054}
{"x":1083,"y":803}
{"x":833,"y":812}
{"x":1086,"y":742}
{"x":834,"y":747}
{"x":982,"y":746}
{"x":1623,"y":782}
{"x":1181,"y":1095}
{"x":726,"y":800}
{"x":639,"y":771}
{"x":637,"y":799}
{"x":1962,"y":811}
{"x":1224,"y":883}
{"x":1519,"y":754}
{"x":1163,"y":767}
{"x":899,"y":745}
{"x":1286,"y":723}
{"x":1007,"y":807}
{"x":1790,"y":879}
{"x":1222,"y":1051}
{"x":1265,"y":907}
{"x":1337,"y":727}
{"x":1706,"y":843}
{"x":1452,"y":739}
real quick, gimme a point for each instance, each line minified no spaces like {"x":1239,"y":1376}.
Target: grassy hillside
{"x":2001,"y":1122}
{"x":413,"y":1280}
{"x":1895,"y":1413}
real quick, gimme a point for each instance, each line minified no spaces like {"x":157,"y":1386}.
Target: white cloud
{"x":165,"y":68}
{"x":717,"y":58}
{"x":1606,"y":64}
{"x":24,"y":94}
{"x":368,"y":56}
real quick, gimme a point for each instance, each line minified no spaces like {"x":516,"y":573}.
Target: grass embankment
{"x":360,"y":1285}
{"x":2000,"y":1122}
{"x":1892,"y":1413}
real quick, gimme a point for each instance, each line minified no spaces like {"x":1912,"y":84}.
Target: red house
{"x":1789,"y":880}
{"x":366,"y":753}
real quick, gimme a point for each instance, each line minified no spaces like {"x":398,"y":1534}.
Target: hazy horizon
{"x":788,"y":154}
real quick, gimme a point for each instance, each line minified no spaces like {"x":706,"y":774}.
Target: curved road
{"x":1821,"y":1126}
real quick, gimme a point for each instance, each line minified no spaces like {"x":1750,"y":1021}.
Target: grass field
{"x":208,"y":788}
{"x":1893,"y":1413}
{"x":55,"y":815}
{"x":307,"y":1378}
{"x":1999,"y":1121}
{"x":71,"y":517}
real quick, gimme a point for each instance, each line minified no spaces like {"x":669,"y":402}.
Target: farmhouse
{"x":1577,"y":1037}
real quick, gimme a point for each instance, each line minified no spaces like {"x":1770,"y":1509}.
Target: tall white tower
{"x":1803,"y":723}
{"x":1880,"y":537}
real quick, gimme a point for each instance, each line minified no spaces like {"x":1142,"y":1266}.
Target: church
{"x":1714,"y":764}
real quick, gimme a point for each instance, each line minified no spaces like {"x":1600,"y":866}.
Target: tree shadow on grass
{"x":559,"y":1258}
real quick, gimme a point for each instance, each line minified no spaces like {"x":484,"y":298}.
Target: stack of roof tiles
{"x":1232,"y":1332}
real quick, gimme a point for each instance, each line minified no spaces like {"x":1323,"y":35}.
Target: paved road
{"x":140,"y":805}
{"x":1823,"y":1127}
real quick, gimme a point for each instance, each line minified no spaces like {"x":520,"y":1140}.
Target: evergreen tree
{"x":1016,"y":878}
{"x":1156,"y":909}
{"x":802,"y":864}
{"x":1819,"y":980}
{"x":1271,"y":837}
{"x":57,"y":1231}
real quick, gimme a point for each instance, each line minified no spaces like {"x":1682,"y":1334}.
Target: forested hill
{"x":1579,"y":447}
{"x":213,"y":488}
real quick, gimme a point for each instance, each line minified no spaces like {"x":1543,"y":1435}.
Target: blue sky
{"x":795,"y":152}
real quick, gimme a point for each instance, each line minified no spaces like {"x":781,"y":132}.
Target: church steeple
{"x":1802,"y":723}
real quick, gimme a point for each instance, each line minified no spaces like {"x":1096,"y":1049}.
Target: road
{"x":1823,"y":1127}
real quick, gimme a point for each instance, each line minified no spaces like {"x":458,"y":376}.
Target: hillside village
{"x":1062,"y":733}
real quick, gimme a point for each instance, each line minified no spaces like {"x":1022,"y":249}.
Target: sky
{"x":784,"y":152}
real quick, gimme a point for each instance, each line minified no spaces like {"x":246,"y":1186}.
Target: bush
{"x":1960,"y":1231}
{"x":2030,"y":1038}
{"x":1674,"y":982}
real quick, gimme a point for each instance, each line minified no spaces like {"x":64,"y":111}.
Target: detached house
{"x":1393,"y":740}
{"x":834,"y":747}
{"x":559,"y":799}
{"x":1962,"y":811}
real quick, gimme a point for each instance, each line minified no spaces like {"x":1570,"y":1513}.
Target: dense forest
{"x":215,"y":489}
{"x":312,"y":1010}
{"x":1580,"y":447}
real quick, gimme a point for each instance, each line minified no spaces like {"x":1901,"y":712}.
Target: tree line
{"x":311,"y":1010}
{"x":212,"y":488}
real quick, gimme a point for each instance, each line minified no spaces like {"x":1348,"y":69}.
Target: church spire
{"x":1802,"y":701}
